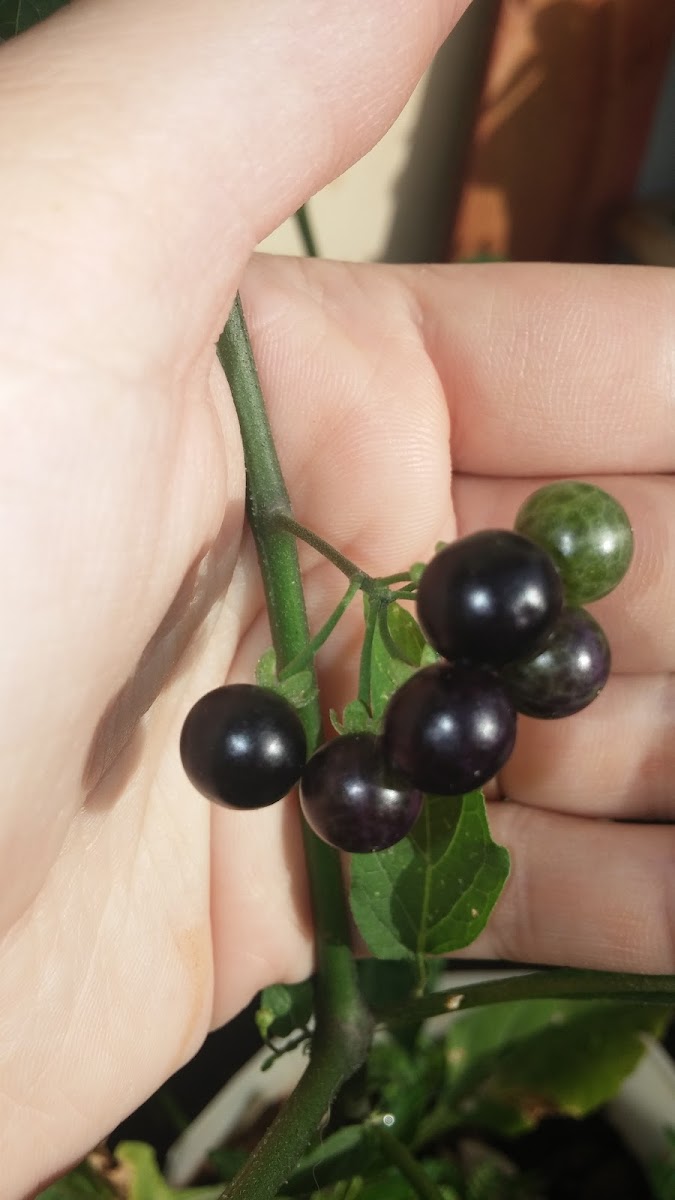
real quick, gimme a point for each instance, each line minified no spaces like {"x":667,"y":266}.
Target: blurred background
{"x":544,"y":130}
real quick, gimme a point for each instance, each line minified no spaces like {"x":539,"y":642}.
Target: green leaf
{"x":511,"y":1064}
{"x":146,"y":1182}
{"x":406,"y":634}
{"x":475,"y":1039}
{"x":387,"y":672}
{"x":386,"y":982}
{"x":429,"y":656}
{"x":82,"y":1183}
{"x":18,"y":15}
{"x":299,"y":689}
{"x":472,"y":1047}
{"x":226,"y":1161}
{"x":574,"y":1065}
{"x":387,"y":1184}
{"x":374,"y":1180}
{"x":355,"y":719}
{"x":284,"y":1008}
{"x":266,"y":669}
{"x":132,"y":1174}
{"x":433,"y":892}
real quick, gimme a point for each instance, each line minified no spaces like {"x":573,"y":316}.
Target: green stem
{"x":385,"y":632}
{"x":307,"y":657}
{"x":377,"y":587}
{"x":400,"y":1156}
{"x":343,"y":1023}
{"x":365,"y":666}
{"x":401,"y":577}
{"x":553,"y":984}
{"x":306,"y":232}
{"x":286,"y":522}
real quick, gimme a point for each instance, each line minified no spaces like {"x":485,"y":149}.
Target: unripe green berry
{"x":585,"y":531}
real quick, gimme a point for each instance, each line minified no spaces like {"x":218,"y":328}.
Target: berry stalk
{"x":307,"y":657}
{"x":343,"y":1023}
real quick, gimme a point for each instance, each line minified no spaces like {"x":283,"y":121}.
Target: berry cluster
{"x":503,"y":611}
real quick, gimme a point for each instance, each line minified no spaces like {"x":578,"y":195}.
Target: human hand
{"x":151,"y":153}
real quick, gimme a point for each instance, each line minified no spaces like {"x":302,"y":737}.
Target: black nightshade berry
{"x":449,"y":728}
{"x":489,"y":598}
{"x":567,"y":674}
{"x":353,"y":799}
{"x":243,"y":746}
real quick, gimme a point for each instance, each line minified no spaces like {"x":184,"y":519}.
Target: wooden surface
{"x":569,"y":97}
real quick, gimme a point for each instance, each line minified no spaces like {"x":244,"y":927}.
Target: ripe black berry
{"x":243,"y":746}
{"x":489,"y":598}
{"x":353,"y":799}
{"x":567,"y":674}
{"x":449,"y":728}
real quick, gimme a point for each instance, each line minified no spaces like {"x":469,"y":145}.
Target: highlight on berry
{"x":501,"y":630}
{"x":243,"y":746}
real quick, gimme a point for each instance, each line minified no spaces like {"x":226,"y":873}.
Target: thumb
{"x":205,"y":125}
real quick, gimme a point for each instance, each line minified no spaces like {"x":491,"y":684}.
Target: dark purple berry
{"x":489,"y":598}
{"x":353,"y":799}
{"x":449,"y":728}
{"x":243,"y":746}
{"x":567,"y":674}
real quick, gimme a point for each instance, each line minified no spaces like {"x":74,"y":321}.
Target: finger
{"x":203,"y":126}
{"x":639,"y":615}
{"x":614,"y":759}
{"x":358,"y":416}
{"x":552,"y":369}
{"x":544,"y":369}
{"x":582,"y":893}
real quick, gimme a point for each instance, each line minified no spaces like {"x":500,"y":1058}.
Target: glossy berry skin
{"x":585,"y":531}
{"x":353,"y":800}
{"x":488,"y":598}
{"x":567,"y":674}
{"x":449,"y":728}
{"x":243,"y":746}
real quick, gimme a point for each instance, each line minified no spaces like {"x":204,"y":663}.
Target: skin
{"x":144,"y":152}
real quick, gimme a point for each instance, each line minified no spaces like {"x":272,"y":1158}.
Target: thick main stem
{"x":343,"y":1023}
